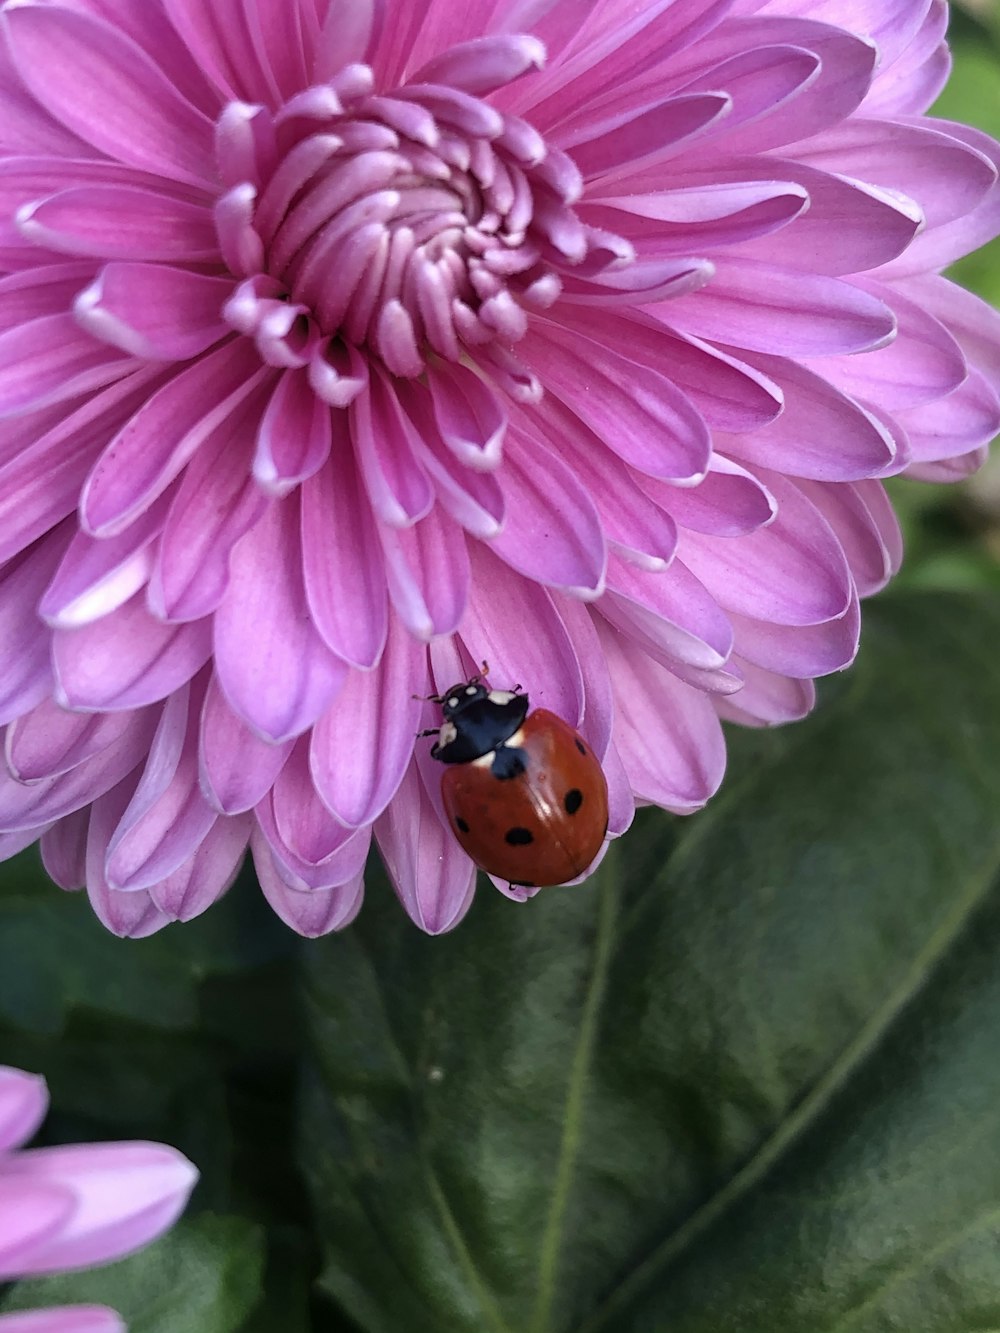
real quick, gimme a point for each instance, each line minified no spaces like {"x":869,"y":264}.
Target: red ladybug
{"x":523,"y":792}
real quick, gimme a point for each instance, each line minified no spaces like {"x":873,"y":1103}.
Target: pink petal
{"x":472,"y":498}
{"x":670,"y":613}
{"x":666,"y":732}
{"x":147,"y":225}
{"x":126,"y":1194}
{"x":871,"y":541}
{"x":363,"y":743}
{"x":311,"y":912}
{"x":540,"y":656}
{"x":552,"y":533}
{"x":106,"y":89}
{"x":310,"y":846}
{"x":167,"y":817}
{"x":799,"y":650}
{"x":427,"y":574}
{"x":64,"y":850}
{"x":237,"y":767}
{"x":272,"y":666}
{"x":31,"y":1214}
{"x":957,"y":424}
{"x":730,"y":502}
{"x":294,"y":438}
{"x":42,"y":801}
{"x":25,"y":673}
{"x":50,"y":741}
{"x":154,"y":312}
{"x":484,"y":64}
{"x":127,"y":659}
{"x":40,"y":484}
{"x":164,"y":434}
{"x":922,"y":363}
{"x":766,"y":699}
{"x":23,"y":1103}
{"x":206,"y":875}
{"x":822,"y":433}
{"x":607,"y":149}
{"x":399,"y":490}
{"x":433,"y":877}
{"x":785,"y":312}
{"x":50,"y":359}
{"x":728,"y":394}
{"x":64,"y":1319}
{"x":469,"y":415}
{"x":97,"y":575}
{"x":792,"y":572}
{"x":650,"y":425}
{"x":342,"y":559}
{"x":48,"y":290}
{"x":212,"y":504}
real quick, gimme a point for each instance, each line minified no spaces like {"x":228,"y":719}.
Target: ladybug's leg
{"x":431,"y":731}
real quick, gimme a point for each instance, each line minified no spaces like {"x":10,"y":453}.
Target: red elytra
{"x":524,"y":793}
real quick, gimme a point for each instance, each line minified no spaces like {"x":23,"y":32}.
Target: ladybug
{"x":523,"y":792}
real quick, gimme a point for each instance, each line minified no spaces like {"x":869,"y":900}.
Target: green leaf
{"x":745,"y":1081}
{"x":56,"y":957}
{"x":202,"y":1277}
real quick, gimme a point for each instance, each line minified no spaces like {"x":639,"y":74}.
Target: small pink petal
{"x":164,"y":434}
{"x":23,"y":1103}
{"x":294,"y":438}
{"x":126,"y":1194}
{"x":667,"y":733}
{"x":552,"y":533}
{"x":237,"y":767}
{"x":206,"y":875}
{"x":51,"y":359}
{"x":342,"y":561}
{"x":427,"y":574}
{"x":127,"y":659}
{"x":32,"y":1213}
{"x":363,"y":743}
{"x":274,"y":669}
{"x":649,"y":424}
{"x":148,"y":225}
{"x":433,"y":877}
{"x":64,"y":850}
{"x":311,"y":912}
{"x":64,"y":1319}
{"x":154,"y":312}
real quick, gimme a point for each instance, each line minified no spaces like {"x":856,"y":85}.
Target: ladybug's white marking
{"x":447,"y":733}
{"x":453,"y":702}
{"x":501,"y":696}
{"x":471,"y":689}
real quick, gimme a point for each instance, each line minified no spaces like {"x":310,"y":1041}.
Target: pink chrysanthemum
{"x":76,"y":1206}
{"x":348,"y":343}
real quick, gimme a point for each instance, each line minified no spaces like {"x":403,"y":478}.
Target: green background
{"x":748,"y":1081}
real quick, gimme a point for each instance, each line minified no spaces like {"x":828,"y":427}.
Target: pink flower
{"x":350,"y":342}
{"x":76,"y":1207}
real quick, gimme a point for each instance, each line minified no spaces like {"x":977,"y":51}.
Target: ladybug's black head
{"x":476,"y":721}
{"x":460,"y":697}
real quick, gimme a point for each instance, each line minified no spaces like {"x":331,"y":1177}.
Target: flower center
{"x":404,"y":225}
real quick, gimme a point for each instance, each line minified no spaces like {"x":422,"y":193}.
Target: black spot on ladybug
{"x":519,"y":837}
{"x":461,"y":825}
{"x":508,"y":762}
{"x":573,"y":800}
{"x":580,"y":746}
{"x":521,"y":884}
